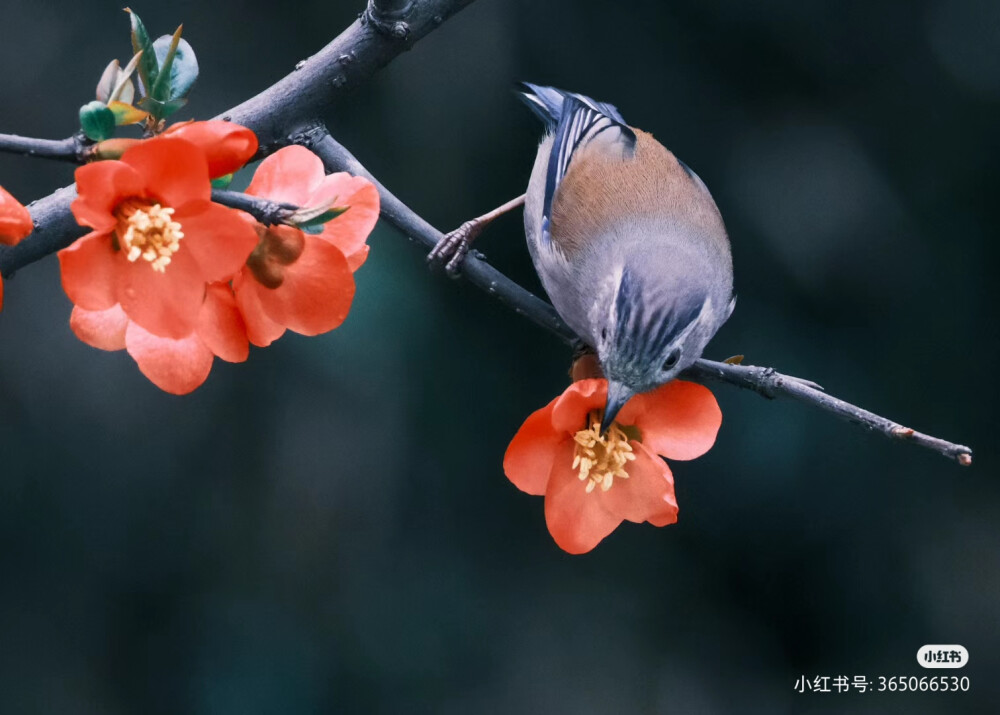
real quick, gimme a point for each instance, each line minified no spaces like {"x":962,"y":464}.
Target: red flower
{"x":157,"y":238}
{"x":227,"y":146}
{"x":175,"y":366}
{"x":15,"y":221}
{"x":295,"y":280}
{"x":593,"y":482}
{"x":15,"y":224}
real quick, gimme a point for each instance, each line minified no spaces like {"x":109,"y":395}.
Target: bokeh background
{"x":326,"y":528}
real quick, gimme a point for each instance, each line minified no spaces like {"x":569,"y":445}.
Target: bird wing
{"x":575,"y":121}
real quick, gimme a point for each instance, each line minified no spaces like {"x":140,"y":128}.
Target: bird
{"x":626,"y":239}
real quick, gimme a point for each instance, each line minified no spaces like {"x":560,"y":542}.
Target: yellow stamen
{"x":601,"y":458}
{"x":147,"y":231}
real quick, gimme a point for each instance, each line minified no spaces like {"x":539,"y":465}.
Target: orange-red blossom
{"x":178,"y":280}
{"x":296,"y":280}
{"x":592,"y":481}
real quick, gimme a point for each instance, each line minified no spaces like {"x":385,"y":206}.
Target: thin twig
{"x":73,"y":149}
{"x":763,"y":380}
{"x":265,"y":211}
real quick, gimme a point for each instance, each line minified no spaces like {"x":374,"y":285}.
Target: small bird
{"x":626,"y":239}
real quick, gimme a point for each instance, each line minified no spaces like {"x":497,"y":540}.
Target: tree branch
{"x":763,"y":380}
{"x":55,"y":229}
{"x":73,"y":149}
{"x":265,"y":211}
{"x":356,"y":54}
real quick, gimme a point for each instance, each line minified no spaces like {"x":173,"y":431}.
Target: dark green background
{"x":326,"y":528}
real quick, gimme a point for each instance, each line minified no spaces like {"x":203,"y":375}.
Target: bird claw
{"x":451,"y":250}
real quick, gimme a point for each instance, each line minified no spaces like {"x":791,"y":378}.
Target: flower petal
{"x":15,"y":220}
{"x":569,"y":414}
{"x":578,"y":521}
{"x":529,"y":456}
{"x":679,"y":420}
{"x":289,"y":175}
{"x":175,"y":366}
{"x":221,"y":326}
{"x":166,"y":304}
{"x":647,"y":494}
{"x":227,"y":146}
{"x":90,"y":268}
{"x":351,"y":229}
{"x":101,"y":329}
{"x":100,"y":187}
{"x":218,"y":237}
{"x":175,"y":171}
{"x":317,"y":291}
{"x":261,"y":330}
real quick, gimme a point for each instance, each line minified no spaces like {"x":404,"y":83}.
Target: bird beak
{"x":618,"y":395}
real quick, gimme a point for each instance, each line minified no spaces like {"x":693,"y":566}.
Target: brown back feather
{"x":600,"y":189}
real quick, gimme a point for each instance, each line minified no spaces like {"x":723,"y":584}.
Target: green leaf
{"x":109,"y":79}
{"x":148,"y":66}
{"x":126,"y":113}
{"x":161,"y":110}
{"x":161,"y":89}
{"x":222,"y":182}
{"x":97,"y":121}
{"x":178,"y":67}
{"x":124,"y":91}
{"x":307,"y":221}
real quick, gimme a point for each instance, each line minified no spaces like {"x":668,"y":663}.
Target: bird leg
{"x":452,"y":249}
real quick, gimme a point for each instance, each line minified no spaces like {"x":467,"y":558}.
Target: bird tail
{"x":547,"y":103}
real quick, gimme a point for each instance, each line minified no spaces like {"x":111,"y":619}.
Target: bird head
{"x":649,"y":332}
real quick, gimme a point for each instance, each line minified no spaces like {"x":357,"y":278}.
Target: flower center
{"x":147,"y":231}
{"x":601,"y":458}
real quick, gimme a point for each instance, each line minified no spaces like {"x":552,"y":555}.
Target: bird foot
{"x":451,"y":250}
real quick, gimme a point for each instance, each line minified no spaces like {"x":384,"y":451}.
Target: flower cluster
{"x":177,"y":280}
{"x":593,"y":481}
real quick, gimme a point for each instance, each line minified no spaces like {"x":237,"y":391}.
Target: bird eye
{"x":672,"y":359}
{"x":604,"y":333}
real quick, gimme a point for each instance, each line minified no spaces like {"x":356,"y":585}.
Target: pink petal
{"x":102,"y":329}
{"x":289,"y":175}
{"x":317,"y":291}
{"x":569,"y":414}
{"x":100,"y":187}
{"x":578,"y":521}
{"x":647,"y":494}
{"x":679,"y":420}
{"x":218,"y":237}
{"x":221,"y":326}
{"x":175,"y":171}
{"x":166,"y":304}
{"x":351,"y":229}
{"x":175,"y":366}
{"x":529,"y":457}
{"x":261,"y":330}
{"x":90,"y":270}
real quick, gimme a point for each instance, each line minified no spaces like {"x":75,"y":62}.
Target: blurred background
{"x":327,"y":527}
